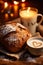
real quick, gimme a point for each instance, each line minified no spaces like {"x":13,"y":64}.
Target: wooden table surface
{"x":7,"y":62}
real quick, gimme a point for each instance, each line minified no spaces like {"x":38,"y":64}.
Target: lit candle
{"x":29,"y":18}
{"x":1,"y":6}
{"x":16,"y":7}
{"x":6,"y":16}
{"x":5,"y":5}
{"x":28,"y":13}
{"x":23,"y":4}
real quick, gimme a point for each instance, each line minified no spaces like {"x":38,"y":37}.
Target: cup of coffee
{"x":28,"y":18}
{"x":35,"y":45}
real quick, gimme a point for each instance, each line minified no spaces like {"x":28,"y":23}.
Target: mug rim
{"x":36,"y":39}
{"x":31,"y":8}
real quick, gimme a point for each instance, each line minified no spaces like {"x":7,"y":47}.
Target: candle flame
{"x":6,"y":4}
{"x":28,"y":9}
{"x":15,"y":2}
{"x":23,"y":0}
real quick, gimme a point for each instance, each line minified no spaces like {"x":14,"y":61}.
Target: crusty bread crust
{"x":13,"y":36}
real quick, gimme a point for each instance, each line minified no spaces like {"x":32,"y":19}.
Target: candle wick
{"x":28,"y":10}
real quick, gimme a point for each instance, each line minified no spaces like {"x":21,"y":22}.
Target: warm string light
{"x":23,"y":0}
{"x":15,"y":2}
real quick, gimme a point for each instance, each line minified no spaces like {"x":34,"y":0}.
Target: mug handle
{"x":41,"y":18}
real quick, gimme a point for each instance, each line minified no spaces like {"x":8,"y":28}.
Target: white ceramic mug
{"x":28,"y":18}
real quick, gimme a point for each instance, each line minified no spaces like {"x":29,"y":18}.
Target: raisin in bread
{"x":13,"y":36}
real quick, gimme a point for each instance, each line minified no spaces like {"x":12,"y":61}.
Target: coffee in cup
{"x":35,"y":45}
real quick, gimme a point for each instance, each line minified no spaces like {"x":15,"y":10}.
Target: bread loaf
{"x":13,"y":36}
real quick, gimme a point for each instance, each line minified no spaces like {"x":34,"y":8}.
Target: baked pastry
{"x":13,"y":36}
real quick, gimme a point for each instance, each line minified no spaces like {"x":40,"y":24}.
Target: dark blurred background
{"x":34,"y":3}
{"x":38,"y":4}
